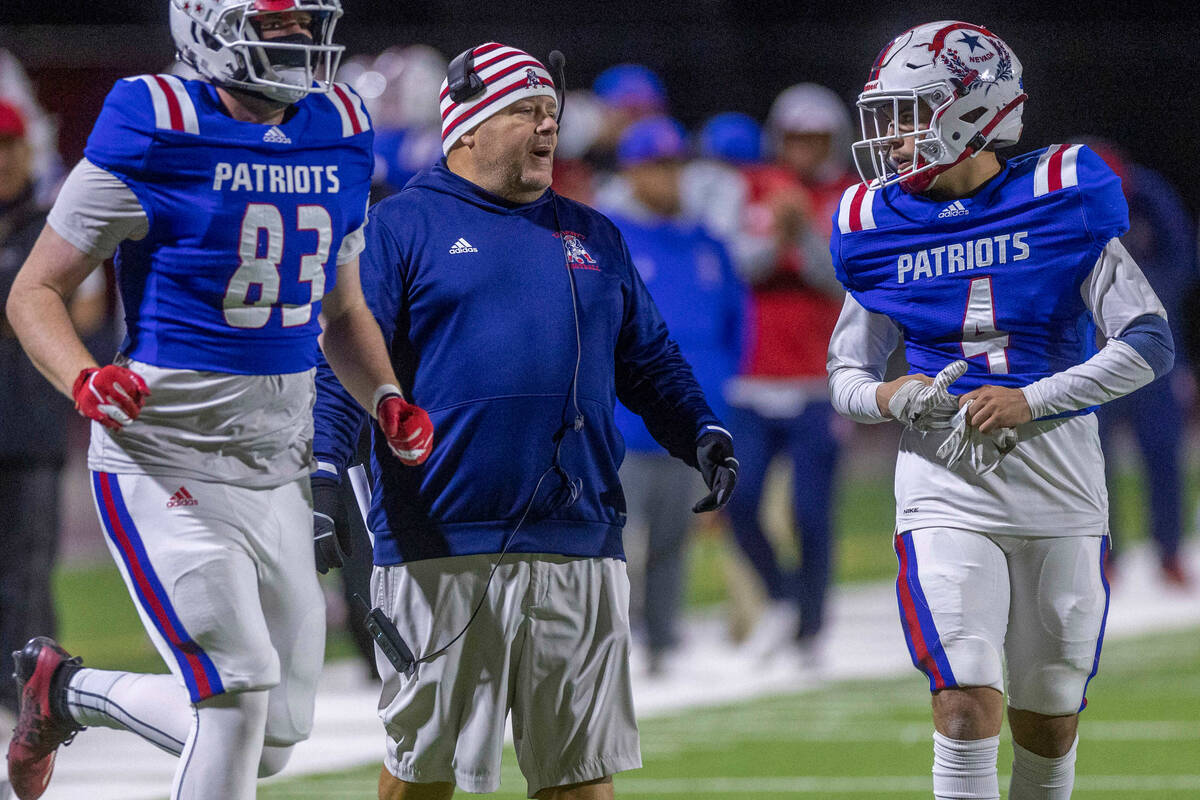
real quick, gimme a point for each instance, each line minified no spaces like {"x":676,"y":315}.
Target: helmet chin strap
{"x":933,"y":180}
{"x":923,"y":182}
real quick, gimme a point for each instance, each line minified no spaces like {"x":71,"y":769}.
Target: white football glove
{"x":983,"y":451}
{"x":927,"y":408}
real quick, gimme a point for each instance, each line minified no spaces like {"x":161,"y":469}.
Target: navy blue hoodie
{"x":473,"y":296}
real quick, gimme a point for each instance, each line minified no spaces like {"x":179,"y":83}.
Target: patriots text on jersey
{"x":961,"y":256}
{"x":276,"y":178}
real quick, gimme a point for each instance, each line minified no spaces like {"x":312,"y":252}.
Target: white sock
{"x":965,"y":769}
{"x":155,"y":707}
{"x":222,"y":752}
{"x":1036,"y":777}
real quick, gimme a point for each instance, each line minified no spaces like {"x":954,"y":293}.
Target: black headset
{"x":463,"y":83}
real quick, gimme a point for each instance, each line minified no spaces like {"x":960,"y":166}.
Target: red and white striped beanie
{"x":509,"y":75}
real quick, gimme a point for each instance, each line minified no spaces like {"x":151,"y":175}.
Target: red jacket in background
{"x":790,"y":321}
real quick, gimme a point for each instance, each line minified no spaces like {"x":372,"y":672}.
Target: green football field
{"x":1140,"y":738}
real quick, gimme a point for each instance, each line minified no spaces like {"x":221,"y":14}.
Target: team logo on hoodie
{"x":577,"y":255}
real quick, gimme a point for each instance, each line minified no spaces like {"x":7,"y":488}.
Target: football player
{"x":1012,"y":270}
{"x":235,"y":207}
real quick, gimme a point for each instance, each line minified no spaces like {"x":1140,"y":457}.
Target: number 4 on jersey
{"x":979,"y":334}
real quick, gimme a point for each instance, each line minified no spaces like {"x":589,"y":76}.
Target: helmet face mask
{"x":954,"y":87}
{"x":888,"y":117}
{"x":224,"y":41}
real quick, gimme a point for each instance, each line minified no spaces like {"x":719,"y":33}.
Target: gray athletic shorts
{"x":551,"y":643}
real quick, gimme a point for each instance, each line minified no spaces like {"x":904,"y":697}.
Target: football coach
{"x":515,"y":318}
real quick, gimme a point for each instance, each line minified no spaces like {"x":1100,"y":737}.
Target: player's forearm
{"x":854,"y":394}
{"x":355,"y":350}
{"x":858,"y":354}
{"x":39,"y":316}
{"x":1115,"y":371}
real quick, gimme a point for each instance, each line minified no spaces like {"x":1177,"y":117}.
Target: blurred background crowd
{"x":725,"y":198}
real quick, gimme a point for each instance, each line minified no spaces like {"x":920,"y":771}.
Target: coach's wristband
{"x":707,"y":429}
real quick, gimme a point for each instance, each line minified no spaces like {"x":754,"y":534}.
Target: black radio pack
{"x":388,"y":639}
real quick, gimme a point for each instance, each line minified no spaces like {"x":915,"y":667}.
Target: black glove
{"x":331,"y":531}
{"x":714,"y":453}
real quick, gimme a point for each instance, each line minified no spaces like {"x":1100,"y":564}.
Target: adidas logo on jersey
{"x":955,"y":209}
{"x":462,"y":246}
{"x":182,"y":497}
{"x":275,"y":135}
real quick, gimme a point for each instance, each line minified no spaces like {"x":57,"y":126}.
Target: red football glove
{"x":111,"y":395}
{"x":407,"y":428}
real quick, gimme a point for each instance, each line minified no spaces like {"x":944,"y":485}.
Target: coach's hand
{"x":714,"y":454}
{"x":111,"y":395}
{"x":406,"y":427}
{"x":995,"y":407}
{"x":331,"y":530}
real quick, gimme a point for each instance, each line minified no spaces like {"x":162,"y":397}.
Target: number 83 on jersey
{"x":255,"y":287}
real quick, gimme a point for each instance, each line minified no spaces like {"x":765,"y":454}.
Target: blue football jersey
{"x":994,"y":278}
{"x":245,"y":221}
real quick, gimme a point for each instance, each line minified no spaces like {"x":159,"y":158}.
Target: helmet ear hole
{"x":201,"y":35}
{"x":973,"y":115}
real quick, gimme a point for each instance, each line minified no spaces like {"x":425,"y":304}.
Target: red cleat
{"x":42,"y":671}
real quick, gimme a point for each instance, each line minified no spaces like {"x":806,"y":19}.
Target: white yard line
{"x":864,"y":641}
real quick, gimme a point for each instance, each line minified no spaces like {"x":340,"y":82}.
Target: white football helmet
{"x":222,"y":41}
{"x":960,"y":87}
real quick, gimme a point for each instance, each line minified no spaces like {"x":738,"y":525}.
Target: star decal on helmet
{"x":971,"y":41}
{"x":982,"y":72}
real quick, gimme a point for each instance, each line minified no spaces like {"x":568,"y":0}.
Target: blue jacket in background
{"x":473,"y":297}
{"x":1162,"y":240}
{"x":691,"y":278}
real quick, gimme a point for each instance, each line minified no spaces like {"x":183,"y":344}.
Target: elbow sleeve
{"x":1150,"y":336}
